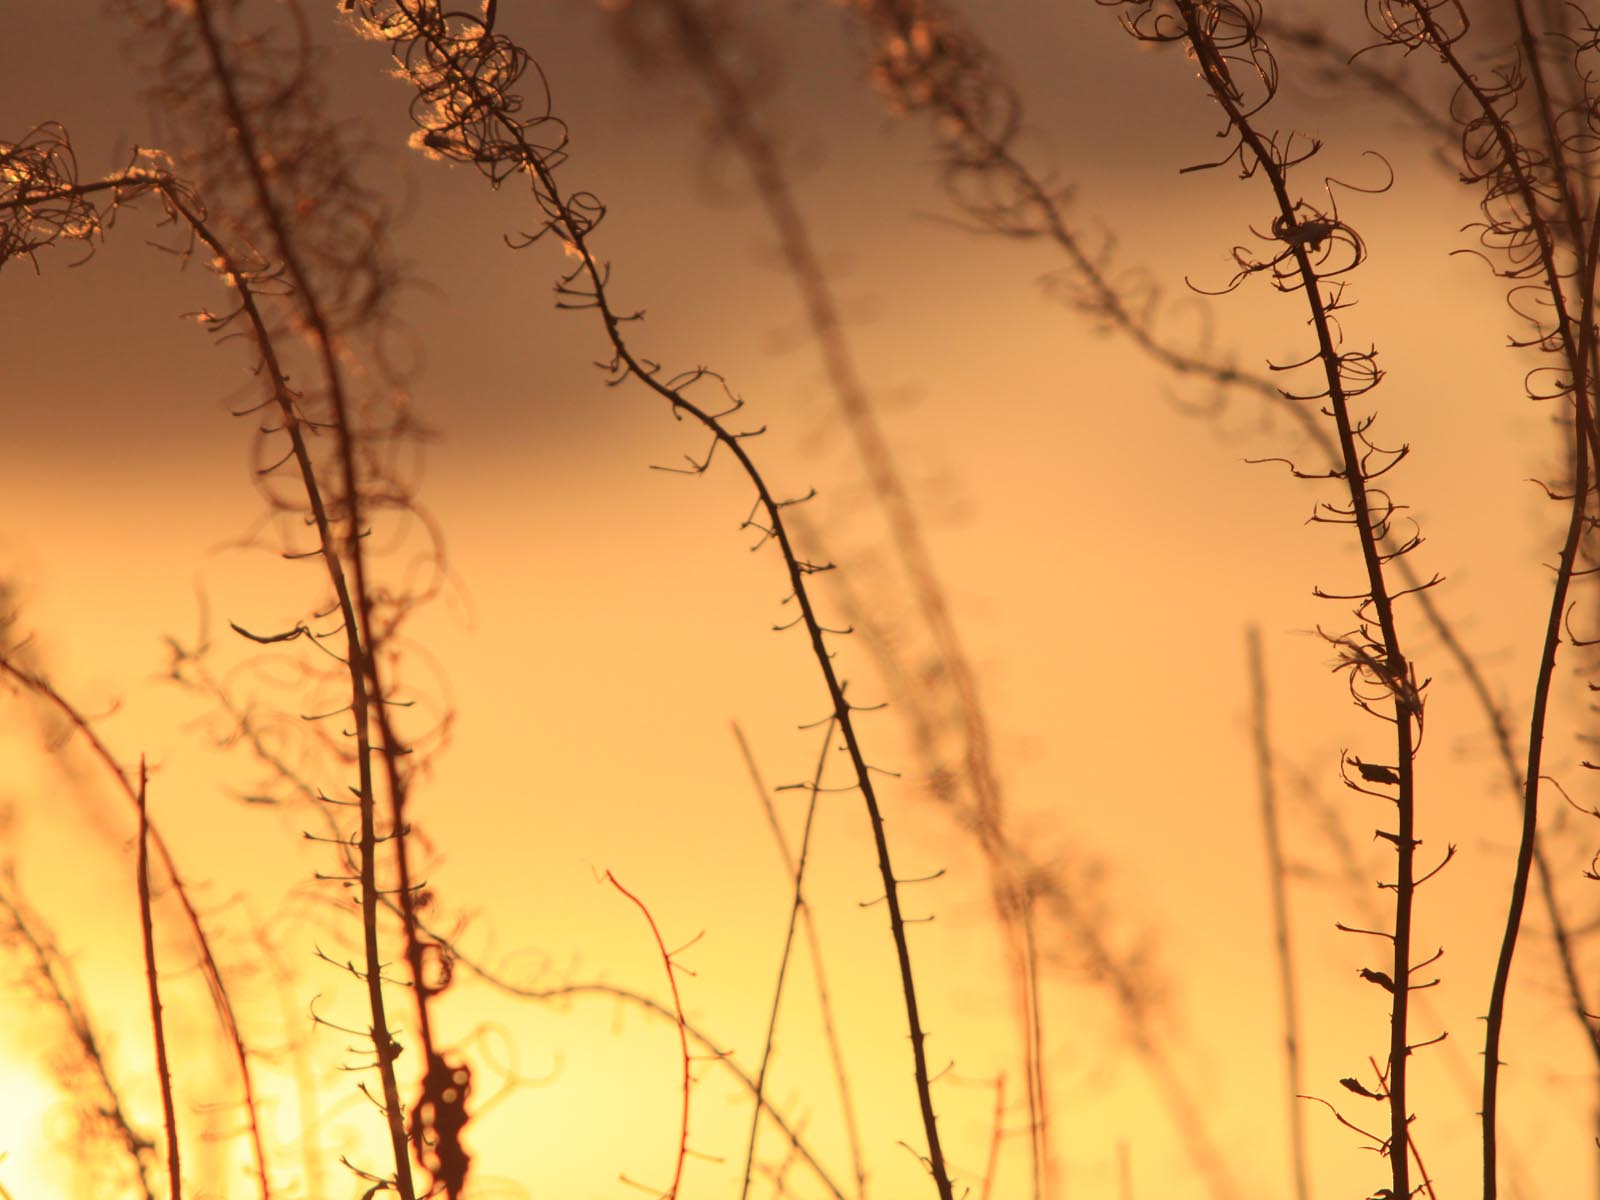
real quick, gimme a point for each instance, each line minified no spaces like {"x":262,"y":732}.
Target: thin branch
{"x":683,"y":1036}
{"x":157,"y":1022}
{"x":796,"y":871}
{"x":707,"y":45}
{"x":220,"y":998}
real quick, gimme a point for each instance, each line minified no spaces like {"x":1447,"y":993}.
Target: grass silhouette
{"x":258,"y":186}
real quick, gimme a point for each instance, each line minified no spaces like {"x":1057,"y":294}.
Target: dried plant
{"x":1310,"y":250}
{"x":468,"y":110}
{"x":287,"y":211}
{"x":708,"y":44}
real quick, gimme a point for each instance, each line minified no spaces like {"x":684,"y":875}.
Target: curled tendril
{"x":42,"y":202}
{"x":470,"y":83}
{"x":1237,"y":57}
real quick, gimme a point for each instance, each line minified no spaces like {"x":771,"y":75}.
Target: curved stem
{"x":449,"y":65}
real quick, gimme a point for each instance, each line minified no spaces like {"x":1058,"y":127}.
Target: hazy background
{"x":1104,"y":548}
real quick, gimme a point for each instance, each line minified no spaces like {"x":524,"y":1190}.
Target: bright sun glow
{"x":29,"y":1104}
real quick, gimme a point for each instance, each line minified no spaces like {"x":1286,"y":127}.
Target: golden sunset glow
{"x":440,"y":503}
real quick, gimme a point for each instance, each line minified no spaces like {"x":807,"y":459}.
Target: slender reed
{"x":797,"y":908}
{"x":288,"y":159}
{"x":158,"y":1025}
{"x":683,"y":1037}
{"x":386,"y":1049}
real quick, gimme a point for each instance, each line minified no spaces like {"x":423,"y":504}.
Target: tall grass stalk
{"x":158,"y":1023}
{"x":261,"y":186}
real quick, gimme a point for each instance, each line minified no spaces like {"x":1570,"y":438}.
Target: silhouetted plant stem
{"x":704,"y":51}
{"x":467,"y":113}
{"x":354,"y":596}
{"x":220,"y":999}
{"x":797,"y":570}
{"x":738,"y":122}
{"x":1394,"y":670}
{"x":157,"y":1021}
{"x":1377,"y":663}
{"x":251,"y":735}
{"x":384,"y":1046}
{"x":1277,"y":882}
{"x":1353,"y":874}
{"x":796,"y":871}
{"x":186,"y":670}
{"x":1427,"y":1180}
{"x":796,"y":907}
{"x":1541,"y":698}
{"x":950,"y":74}
{"x":1056,"y":900}
{"x":1525,"y":180}
{"x":683,"y":1036}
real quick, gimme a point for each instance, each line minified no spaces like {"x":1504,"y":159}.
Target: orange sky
{"x":1103,"y":552}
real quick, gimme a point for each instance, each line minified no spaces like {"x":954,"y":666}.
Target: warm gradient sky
{"x":1103,"y":547}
